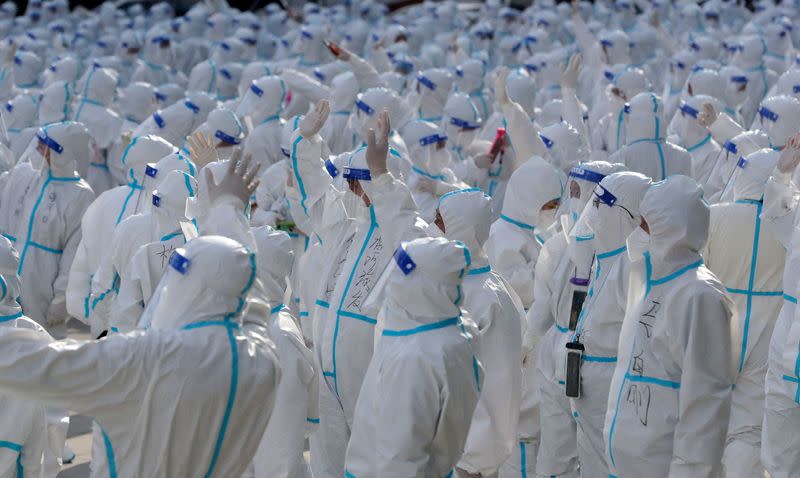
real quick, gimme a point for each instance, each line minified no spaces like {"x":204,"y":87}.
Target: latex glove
{"x":202,"y":149}
{"x":57,"y":316}
{"x":569,"y":77}
{"x":315,"y":120}
{"x":707,"y":116}
{"x":240,"y":181}
{"x":790,"y":155}
{"x":500,"y":92}
{"x":378,"y":146}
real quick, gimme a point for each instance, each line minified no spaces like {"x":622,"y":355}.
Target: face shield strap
{"x":226,"y":138}
{"x":151,"y":171}
{"x":434,"y":138}
{"x":425,"y":81}
{"x":48,"y":141}
{"x":404,"y":261}
{"x":195,"y":109}
{"x":463,"y":124}
{"x":156,"y":200}
{"x":586,"y":175}
{"x":739,"y":79}
{"x":160,"y":97}
{"x":179,"y":262}
{"x":365,"y":107}
{"x":357,"y":173}
{"x":606,"y":197}
{"x":548,"y":143}
{"x":159,"y":120}
{"x":333,"y":171}
{"x":742,"y":162}
{"x":765,"y":112}
{"x":686,"y":109}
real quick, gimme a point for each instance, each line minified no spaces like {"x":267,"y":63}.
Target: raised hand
{"x":240,"y":180}
{"x":315,"y":120}
{"x":569,"y":77}
{"x":378,"y":145}
{"x":790,"y":155}
{"x":202,"y":149}
{"x":338,"y":51}
{"x":500,"y":92}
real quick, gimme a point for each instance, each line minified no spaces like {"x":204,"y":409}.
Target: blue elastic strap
{"x":422,"y":328}
{"x":110,"y":458}
{"x":303,"y":195}
{"x":479,"y":271}
{"x":700,"y":144}
{"x":9,"y":318}
{"x":653,"y":380}
{"x":421,"y":172}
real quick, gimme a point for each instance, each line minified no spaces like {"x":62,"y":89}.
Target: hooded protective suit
{"x":336,"y":131}
{"x":113,"y":285}
{"x":646,"y":150}
{"x":56,"y":103}
{"x":749,"y":261}
{"x":224,"y":129}
{"x":517,"y":237}
{"x":721,"y":176}
{"x":609,"y":218}
{"x":98,"y":224}
{"x":695,"y":138}
{"x":23,"y":423}
{"x":176,"y":121}
{"x":195,"y":344}
{"x":42,"y":211}
{"x":280,"y":453}
{"x":426,"y":360}
{"x":263,"y":103}
{"x":670,"y":397}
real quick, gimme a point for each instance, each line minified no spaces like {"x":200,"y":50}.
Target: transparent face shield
{"x":356,"y":202}
{"x":730,"y":186}
{"x":4,"y":117}
{"x":460,"y":133}
{"x":431,"y":157}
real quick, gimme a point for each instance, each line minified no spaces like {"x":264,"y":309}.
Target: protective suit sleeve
{"x":395,"y":210}
{"x":493,"y":430}
{"x":724,"y":128}
{"x":366,"y":74}
{"x":780,"y":206}
{"x":37,"y":441}
{"x":704,"y":397}
{"x":226,"y":218}
{"x":309,"y":88}
{"x":512,"y":265}
{"x":540,"y":316}
{"x":401,"y":451}
{"x":587,"y":42}
{"x":72,"y":239}
{"x":572,"y":113}
{"x":523,"y":133}
{"x":105,"y":280}
{"x":381,"y":60}
{"x":91,"y":372}
{"x":311,"y":182}
{"x":79,"y":285}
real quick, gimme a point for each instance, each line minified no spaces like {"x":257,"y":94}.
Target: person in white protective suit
{"x":294,"y":417}
{"x":749,"y":261}
{"x":336,"y":132}
{"x":750,"y":58}
{"x":27,"y":68}
{"x":425,"y":361}
{"x":696,"y":138}
{"x":100,"y":219}
{"x":55,"y":103}
{"x":263,"y":103}
{"x":432,"y":90}
{"x":560,"y":284}
{"x":42,"y":212}
{"x":780,"y":446}
{"x":470,"y":79}
{"x":430,"y":174}
{"x":368,"y":104}
{"x":670,"y":397}
{"x":344,"y":330}
{"x":223,"y":128}
{"x":103,"y":123}
{"x":158,"y":223}
{"x":196,"y":353}
{"x":20,"y":119}
{"x":725,"y":165}
{"x":464,"y":215}
{"x":532,"y":198}
{"x":137,"y":102}
{"x":175,"y":122}
{"x":205,"y":76}
{"x":462,"y":123}
{"x":157,"y":56}
{"x":23,"y":423}
{"x":645,"y":149}
{"x":609,"y":218}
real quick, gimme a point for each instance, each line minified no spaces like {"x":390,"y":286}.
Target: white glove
{"x":569,"y":77}
{"x":201,"y":149}
{"x":790,"y":155}
{"x":315,"y":120}
{"x":708,"y":116}
{"x":240,"y":179}
{"x":500,"y":92}
{"x":378,"y":146}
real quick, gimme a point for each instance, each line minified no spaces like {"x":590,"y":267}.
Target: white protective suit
{"x":738,"y":146}
{"x":22,"y":423}
{"x":41,"y":215}
{"x":294,"y":417}
{"x":609,"y":217}
{"x":196,"y":355}
{"x":344,"y":324}
{"x":646,"y":151}
{"x":224,"y":129}
{"x":517,"y":237}
{"x":696,"y":139}
{"x":562,"y":273}
{"x":749,"y":261}
{"x":424,"y":360}
{"x":113,"y":283}
{"x":670,"y":397}
{"x":110,"y":208}
{"x":56,"y":103}
{"x":176,"y":121}
{"x":263,"y":103}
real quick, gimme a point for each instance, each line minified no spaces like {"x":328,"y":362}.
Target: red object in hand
{"x":334,"y":48}
{"x":499,"y":143}
{"x":288,"y":97}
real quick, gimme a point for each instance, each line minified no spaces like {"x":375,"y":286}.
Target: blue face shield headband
{"x":256,"y":90}
{"x":765,"y":112}
{"x":357,"y":173}
{"x":179,"y":262}
{"x":606,"y":197}
{"x":226,"y":138}
{"x":463,"y":124}
{"x":365,"y":107}
{"x":49,"y":142}
{"x":548,"y":143}
{"x":404,"y":261}
{"x":434,"y":138}
{"x":195,"y":109}
{"x":742,"y":80}
{"x":426,"y":82}
{"x":586,"y":175}
{"x":688,"y":110}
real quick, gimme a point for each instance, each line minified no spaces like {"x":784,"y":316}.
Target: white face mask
{"x":638,"y":243}
{"x":546,"y":219}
